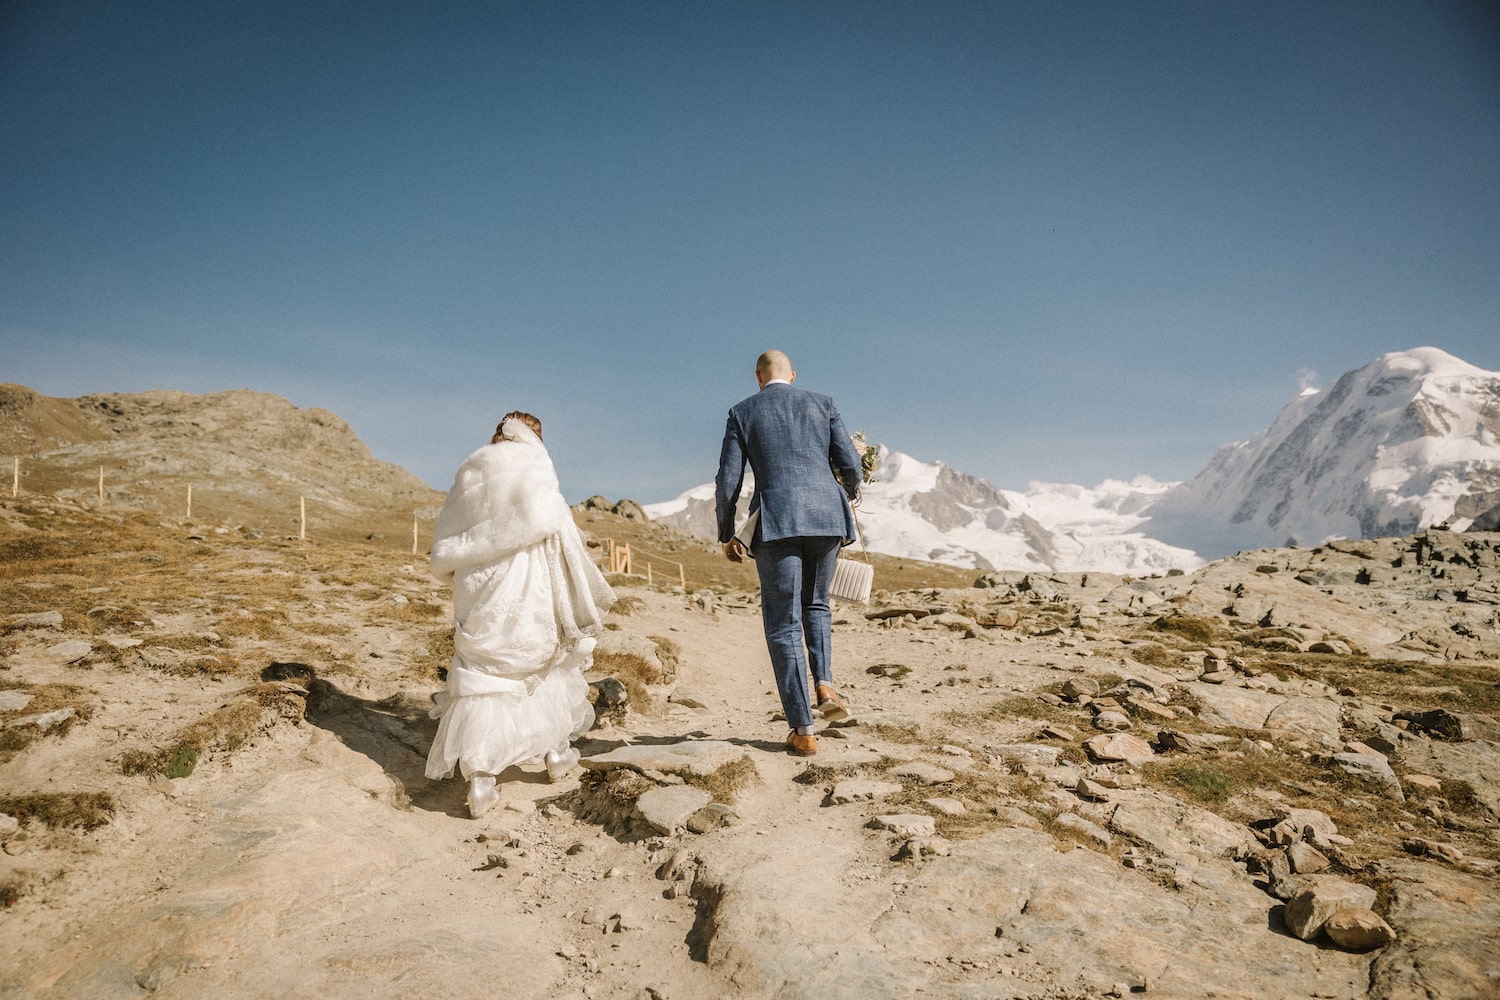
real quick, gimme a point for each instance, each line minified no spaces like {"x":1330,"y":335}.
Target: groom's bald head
{"x":773,"y":364}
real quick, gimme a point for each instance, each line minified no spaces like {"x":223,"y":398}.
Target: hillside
{"x":250,"y":458}
{"x":1055,"y":786}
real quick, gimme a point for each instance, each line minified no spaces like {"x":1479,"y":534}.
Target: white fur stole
{"x":505,"y":497}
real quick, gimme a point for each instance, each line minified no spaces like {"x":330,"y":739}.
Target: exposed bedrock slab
{"x":699,"y":757}
{"x":1232,"y":706}
{"x":1007,"y":914}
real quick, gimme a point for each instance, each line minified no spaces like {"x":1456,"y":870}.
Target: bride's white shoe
{"x":560,"y":762}
{"x":482,"y":793}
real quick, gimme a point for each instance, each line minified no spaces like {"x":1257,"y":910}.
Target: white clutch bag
{"x":852,"y":581}
{"x":746,"y":535}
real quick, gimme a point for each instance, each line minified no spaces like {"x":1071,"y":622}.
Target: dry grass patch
{"x":176,"y":761}
{"x":410,"y":613}
{"x":1459,"y":685}
{"x":726,"y":781}
{"x":1010,"y":709}
{"x":434,"y":656}
{"x":62,"y":810}
{"x":627,"y":606}
{"x":631,"y":670}
{"x":262,"y":625}
{"x":1190,"y":627}
{"x":910,"y":734}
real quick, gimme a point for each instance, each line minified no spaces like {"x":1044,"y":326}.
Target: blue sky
{"x":1038,"y":241}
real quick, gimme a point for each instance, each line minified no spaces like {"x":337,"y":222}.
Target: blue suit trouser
{"x":794,"y":578}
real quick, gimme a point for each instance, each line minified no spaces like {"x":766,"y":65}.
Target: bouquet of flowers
{"x":869,"y":456}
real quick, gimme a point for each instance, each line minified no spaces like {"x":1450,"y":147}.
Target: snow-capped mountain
{"x":929,"y":511}
{"x":1410,"y":440}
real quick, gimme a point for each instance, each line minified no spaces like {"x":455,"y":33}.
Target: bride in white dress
{"x":527,"y":603}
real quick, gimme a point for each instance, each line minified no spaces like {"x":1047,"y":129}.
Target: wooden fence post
{"x":413,"y":532}
{"x":190,"y":502}
{"x":15,"y":475}
{"x":101,"y":484}
{"x":302,"y":531}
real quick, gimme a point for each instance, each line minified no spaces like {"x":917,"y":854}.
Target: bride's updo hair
{"x":525,"y":418}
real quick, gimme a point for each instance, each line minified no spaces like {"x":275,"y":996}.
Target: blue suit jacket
{"x":793,"y":440}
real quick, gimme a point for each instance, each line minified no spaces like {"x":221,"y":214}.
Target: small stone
{"x":14,"y":701}
{"x":712,"y":817}
{"x":1372,"y":769}
{"x":1306,"y":859}
{"x":1150,"y":710}
{"x":1322,"y":896}
{"x":667,"y":809}
{"x":1091,"y":790}
{"x":610,"y":693}
{"x":46,"y":721}
{"x":1112,"y":722}
{"x":946,"y":806}
{"x":38,"y":619}
{"x":71,"y":651}
{"x":1119,"y":747}
{"x":907,"y":824}
{"x":9,"y":826}
{"x":1058,"y":731}
{"x":1358,"y":929}
{"x":1031,"y":754}
{"x":1076,"y":686}
{"x":1124,"y":781}
{"x":1014,"y":816}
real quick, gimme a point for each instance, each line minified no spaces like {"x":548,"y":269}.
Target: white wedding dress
{"x":527,"y":603}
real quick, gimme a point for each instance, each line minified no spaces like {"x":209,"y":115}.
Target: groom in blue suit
{"x":806,"y":472}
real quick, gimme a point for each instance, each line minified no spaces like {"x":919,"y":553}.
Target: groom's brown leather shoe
{"x":801,"y":746}
{"x":830,"y":705}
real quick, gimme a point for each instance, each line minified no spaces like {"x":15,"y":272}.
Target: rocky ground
{"x":1276,"y":777}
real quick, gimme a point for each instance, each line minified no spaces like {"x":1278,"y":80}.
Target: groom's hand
{"x":733,"y":551}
